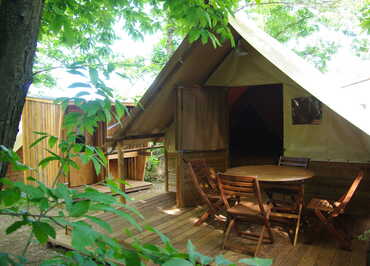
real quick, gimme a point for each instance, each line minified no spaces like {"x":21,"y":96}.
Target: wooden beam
{"x":139,"y":149}
{"x":121,"y":168}
{"x":126,"y":155}
{"x":166,"y":179}
{"x":157,"y":135}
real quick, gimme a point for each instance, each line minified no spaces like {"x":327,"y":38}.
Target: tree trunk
{"x":19,"y":27}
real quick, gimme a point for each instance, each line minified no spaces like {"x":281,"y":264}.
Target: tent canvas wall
{"x":42,"y":115}
{"x":189,"y":105}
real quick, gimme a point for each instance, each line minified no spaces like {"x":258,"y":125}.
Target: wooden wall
{"x":135,"y":162}
{"x":42,"y":116}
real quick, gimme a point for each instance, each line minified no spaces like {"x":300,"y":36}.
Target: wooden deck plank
{"x":327,"y":253}
{"x":359,"y":253}
{"x":310,"y":256}
{"x":342,"y":258}
{"x":132,"y":186}
{"x":162,"y":213}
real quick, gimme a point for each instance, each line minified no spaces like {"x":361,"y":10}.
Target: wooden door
{"x":201,"y":132}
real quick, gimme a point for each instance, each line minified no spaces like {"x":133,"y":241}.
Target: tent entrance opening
{"x":256,"y":124}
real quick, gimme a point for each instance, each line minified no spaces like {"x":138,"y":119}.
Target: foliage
{"x":153,"y":166}
{"x":365,"y":16}
{"x":319,"y":54}
{"x":365,"y":235}
{"x":298,"y":20}
{"x":44,"y":209}
{"x":83,"y":31}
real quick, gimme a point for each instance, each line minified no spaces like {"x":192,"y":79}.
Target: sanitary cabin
{"x":249,"y":104}
{"x":43,"y":115}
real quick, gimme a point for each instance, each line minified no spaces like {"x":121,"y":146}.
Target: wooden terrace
{"x":161,"y":212}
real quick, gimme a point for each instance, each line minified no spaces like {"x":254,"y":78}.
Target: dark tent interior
{"x":256,"y":124}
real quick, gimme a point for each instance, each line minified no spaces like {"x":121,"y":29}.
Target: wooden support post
{"x":121,"y":168}
{"x":166,"y":170}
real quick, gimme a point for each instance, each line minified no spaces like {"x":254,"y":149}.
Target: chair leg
{"x":202,"y":218}
{"x":340,"y":236}
{"x":227,"y":232}
{"x":260,"y":240}
{"x":268,"y":227}
{"x":298,"y":225}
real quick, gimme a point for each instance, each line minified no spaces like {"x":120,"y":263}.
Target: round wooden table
{"x":280,"y":178}
{"x":272,"y":173}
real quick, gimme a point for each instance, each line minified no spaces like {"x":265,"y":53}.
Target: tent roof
{"x":192,"y":64}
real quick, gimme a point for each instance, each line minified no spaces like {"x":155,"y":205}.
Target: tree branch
{"x":46,"y":70}
{"x":291,"y":25}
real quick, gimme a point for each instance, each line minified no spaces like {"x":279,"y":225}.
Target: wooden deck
{"x":133,"y":186}
{"x":161,"y":212}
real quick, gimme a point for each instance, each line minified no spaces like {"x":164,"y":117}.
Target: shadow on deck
{"x":160,"y":211}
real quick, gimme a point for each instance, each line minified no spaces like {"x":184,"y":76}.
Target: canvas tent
{"x":204,"y":98}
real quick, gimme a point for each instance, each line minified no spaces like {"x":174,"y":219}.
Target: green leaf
{"x":101,"y":155}
{"x":78,"y":147}
{"x":76,"y":72}
{"x":72,"y":163}
{"x":123,"y":214}
{"x":94,"y":76}
{"x":191,"y":251}
{"x":130,"y":208}
{"x":97,"y":196}
{"x":177,"y":262}
{"x":40,"y":133}
{"x":43,"y":204}
{"x":42,"y":230}
{"x":221,"y":260}
{"x":131,"y":258}
{"x":79,"y":85}
{"x":10,"y":196}
{"x":82,"y":235}
{"x":103,"y":224}
{"x":256,"y":261}
{"x":52,"y":141}
{"x":63,"y":192}
{"x":15,"y":226}
{"x":120,"y":108}
{"x":38,"y":141}
{"x":97,"y":165}
{"x":79,"y":208}
{"x":44,"y":162}
{"x":162,"y":236}
{"x":31,"y":191}
{"x":18,"y":166}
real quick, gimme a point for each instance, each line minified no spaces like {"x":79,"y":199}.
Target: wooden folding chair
{"x":204,"y":180}
{"x":248,"y":208}
{"x":326,"y":211}
{"x":287,"y":198}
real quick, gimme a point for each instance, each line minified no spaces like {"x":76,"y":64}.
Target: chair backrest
{"x":294,"y":161}
{"x":205,"y":176}
{"x":239,"y":187}
{"x":202,"y":180}
{"x":344,"y":200}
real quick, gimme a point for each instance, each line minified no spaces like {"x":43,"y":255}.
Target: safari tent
{"x":41,"y":114}
{"x":249,"y":104}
